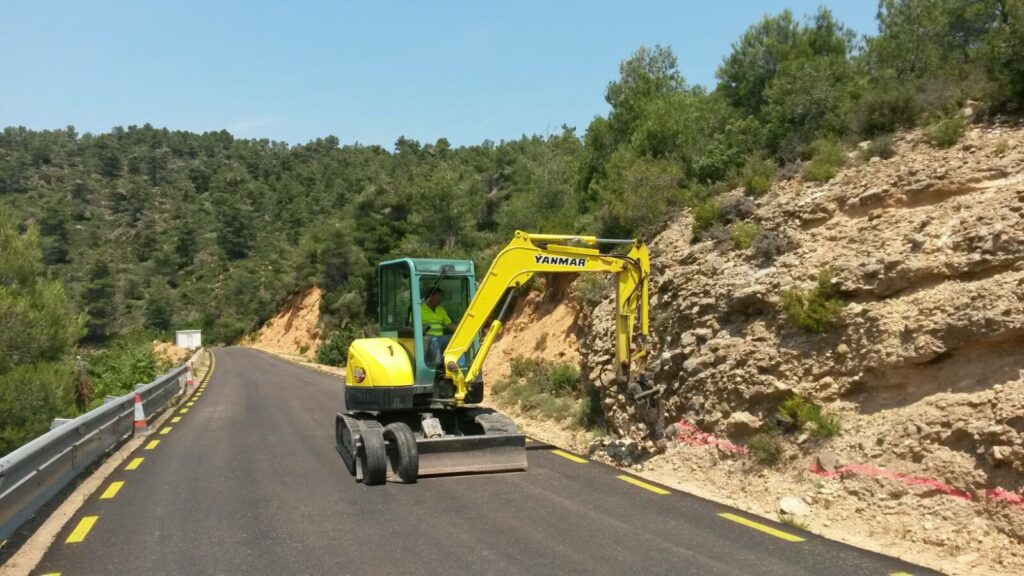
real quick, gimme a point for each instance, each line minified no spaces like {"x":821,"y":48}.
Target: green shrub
{"x":889,"y":106}
{"x":881,"y":147}
{"x":588,"y":411}
{"x":828,"y":156}
{"x":798,"y":413}
{"x":743,"y":234}
{"x":550,"y":389}
{"x":706,"y":215}
{"x":816,"y":310}
{"x":757,"y":175}
{"x":1002,"y":147}
{"x":946,"y":131}
{"x":334,"y":351}
{"x":765,"y":447}
{"x":31,"y":395}
{"x":116,"y":369}
{"x":590,"y":290}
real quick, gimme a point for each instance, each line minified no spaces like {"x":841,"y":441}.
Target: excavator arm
{"x":529,"y":254}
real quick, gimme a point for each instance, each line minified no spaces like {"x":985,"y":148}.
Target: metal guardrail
{"x":34,"y":473}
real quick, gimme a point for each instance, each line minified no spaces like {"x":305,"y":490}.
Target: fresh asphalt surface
{"x":249,"y":482}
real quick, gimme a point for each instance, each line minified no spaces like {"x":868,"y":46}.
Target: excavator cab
{"x":404,"y":286}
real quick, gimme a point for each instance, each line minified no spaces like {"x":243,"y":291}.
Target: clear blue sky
{"x":363,"y":71}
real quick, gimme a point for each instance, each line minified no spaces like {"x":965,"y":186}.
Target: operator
{"x":436,"y":323}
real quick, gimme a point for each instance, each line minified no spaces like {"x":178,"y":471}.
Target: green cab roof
{"x":433,"y":265}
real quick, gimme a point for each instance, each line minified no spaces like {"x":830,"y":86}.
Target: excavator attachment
{"x":466,"y":454}
{"x":478,"y":440}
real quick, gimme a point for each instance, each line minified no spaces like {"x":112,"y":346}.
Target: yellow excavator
{"x":412,"y":396}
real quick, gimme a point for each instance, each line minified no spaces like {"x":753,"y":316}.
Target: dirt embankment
{"x":170,"y":354}
{"x":295,"y":330}
{"x":923,"y":364}
{"x":544,"y":325}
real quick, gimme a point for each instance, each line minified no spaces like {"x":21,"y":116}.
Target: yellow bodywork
{"x":383,"y":361}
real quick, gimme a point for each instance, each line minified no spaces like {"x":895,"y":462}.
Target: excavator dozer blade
{"x":466,"y":454}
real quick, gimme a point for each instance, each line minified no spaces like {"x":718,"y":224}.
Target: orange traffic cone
{"x":141,"y":424}
{"x":188,"y":377}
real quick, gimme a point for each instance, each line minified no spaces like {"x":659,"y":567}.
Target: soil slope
{"x":923,"y":364}
{"x":295,"y":330}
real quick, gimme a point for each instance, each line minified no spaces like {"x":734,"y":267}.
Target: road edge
{"x":31,"y":552}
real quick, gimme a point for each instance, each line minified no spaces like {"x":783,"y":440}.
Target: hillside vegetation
{"x":155,"y":229}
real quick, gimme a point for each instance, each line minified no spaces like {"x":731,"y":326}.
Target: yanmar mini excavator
{"x":410,"y":397}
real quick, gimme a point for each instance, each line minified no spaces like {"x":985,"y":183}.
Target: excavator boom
{"x":529,"y":254}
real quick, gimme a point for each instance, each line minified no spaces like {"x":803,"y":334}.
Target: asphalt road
{"x":248,"y":482}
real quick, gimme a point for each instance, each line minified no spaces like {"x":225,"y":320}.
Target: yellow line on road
{"x":183,"y":411}
{"x":111,"y":490}
{"x":152,"y":444}
{"x":176,"y":419}
{"x":135,"y":463}
{"x":643,"y":484}
{"x":761,"y":527}
{"x":165,"y":431}
{"x":568,"y":456}
{"x":82,"y":530}
{"x":52,"y":574}
{"x":900,"y":574}
{"x":190,"y":404}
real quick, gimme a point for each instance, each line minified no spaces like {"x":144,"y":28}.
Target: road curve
{"x":248,"y":482}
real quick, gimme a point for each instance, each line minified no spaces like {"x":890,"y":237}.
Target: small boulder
{"x":828,"y":461}
{"x":742,"y":424}
{"x":794,"y":506}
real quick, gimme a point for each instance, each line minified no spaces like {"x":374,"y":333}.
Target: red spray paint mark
{"x":897,"y":476}
{"x":690,"y":434}
{"x":1005,"y":496}
{"x":991,"y":493}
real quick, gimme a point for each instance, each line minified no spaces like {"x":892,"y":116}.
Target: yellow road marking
{"x":763,"y":528}
{"x":111,"y":490}
{"x":643,"y":484}
{"x":568,"y":456}
{"x":152,"y":444}
{"x":52,"y":574}
{"x":183,"y":411}
{"x":166,"y":430}
{"x":135,"y":463}
{"x":176,"y":419}
{"x":82,"y":530}
{"x":900,"y":574}
{"x":190,"y":404}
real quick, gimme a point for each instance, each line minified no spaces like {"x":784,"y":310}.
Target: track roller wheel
{"x":405,"y":459}
{"x":374,"y":458}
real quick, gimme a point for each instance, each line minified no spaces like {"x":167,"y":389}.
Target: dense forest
{"x":143,"y":230}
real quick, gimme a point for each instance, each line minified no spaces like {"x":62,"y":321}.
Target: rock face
{"x":924,"y":363}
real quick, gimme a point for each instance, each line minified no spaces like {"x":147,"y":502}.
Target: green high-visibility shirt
{"x":435,"y":320}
